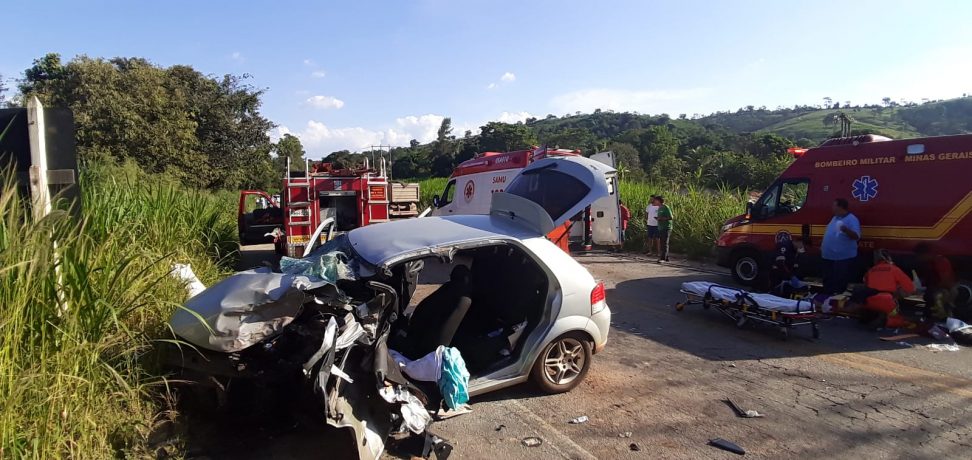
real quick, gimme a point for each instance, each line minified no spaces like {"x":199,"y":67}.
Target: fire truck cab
{"x":470,"y":188}
{"x":323,"y":201}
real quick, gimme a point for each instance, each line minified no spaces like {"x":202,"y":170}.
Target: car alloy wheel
{"x":564,"y":361}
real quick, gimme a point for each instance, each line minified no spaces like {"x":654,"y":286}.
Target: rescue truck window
{"x":447,"y":194}
{"x":793,"y":196}
{"x":554,"y":191}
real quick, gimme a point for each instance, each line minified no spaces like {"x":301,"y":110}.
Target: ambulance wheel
{"x":746,"y":267}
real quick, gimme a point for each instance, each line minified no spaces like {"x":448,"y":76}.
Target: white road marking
{"x":550,"y":432}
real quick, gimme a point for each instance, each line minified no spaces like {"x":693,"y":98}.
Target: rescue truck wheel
{"x":563,"y":363}
{"x":746,"y":267}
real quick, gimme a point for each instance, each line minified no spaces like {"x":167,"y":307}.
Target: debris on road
{"x":626,"y":434}
{"x":942,"y":347}
{"x":727,"y":446}
{"x":579,"y":420}
{"x":500,"y":428}
{"x":531,"y":441}
{"x":740,"y":412}
{"x":634,"y":447}
{"x":895,"y":338}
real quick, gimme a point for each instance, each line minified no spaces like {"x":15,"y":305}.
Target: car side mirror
{"x":435,"y":201}
{"x":749,"y":209}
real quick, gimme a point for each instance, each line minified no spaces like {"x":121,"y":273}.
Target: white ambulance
{"x":470,"y":189}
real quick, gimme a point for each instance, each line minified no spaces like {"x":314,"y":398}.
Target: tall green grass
{"x":78,"y":319}
{"x":699,"y":213}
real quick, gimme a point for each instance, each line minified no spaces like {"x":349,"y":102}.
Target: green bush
{"x":82,"y":303}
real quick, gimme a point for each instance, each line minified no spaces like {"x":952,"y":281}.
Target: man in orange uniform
{"x":888,"y":283}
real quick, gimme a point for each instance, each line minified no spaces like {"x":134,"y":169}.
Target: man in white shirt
{"x":651,"y":212}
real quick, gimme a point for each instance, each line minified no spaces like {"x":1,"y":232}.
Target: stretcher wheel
{"x":816,"y":330}
{"x":679,"y":306}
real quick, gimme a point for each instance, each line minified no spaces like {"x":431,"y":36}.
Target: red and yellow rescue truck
{"x":473,"y":182}
{"x":323,"y":201}
{"x":904,"y":192}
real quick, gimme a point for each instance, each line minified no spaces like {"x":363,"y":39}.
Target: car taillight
{"x":597,"y":298}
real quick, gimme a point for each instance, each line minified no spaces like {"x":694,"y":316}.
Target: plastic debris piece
{"x":416,"y":417}
{"x":531,"y":441}
{"x":742,"y":412}
{"x":634,"y":447}
{"x":500,"y":428}
{"x":340,"y":373}
{"x":727,"y":446}
{"x":626,"y":434}
{"x":903,"y":344}
{"x":942,"y":347}
{"x":579,"y":420}
{"x":184,"y":273}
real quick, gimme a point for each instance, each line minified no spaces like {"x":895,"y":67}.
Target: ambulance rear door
{"x":605,"y":212}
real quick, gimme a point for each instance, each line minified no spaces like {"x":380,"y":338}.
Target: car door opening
{"x":485,"y":303}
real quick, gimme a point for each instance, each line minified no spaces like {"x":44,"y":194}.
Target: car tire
{"x":563,"y":363}
{"x":746,"y":268}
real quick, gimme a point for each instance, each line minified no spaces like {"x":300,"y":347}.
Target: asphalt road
{"x":664,"y":375}
{"x":659,"y":385}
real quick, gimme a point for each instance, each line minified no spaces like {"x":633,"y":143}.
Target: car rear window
{"x":553,"y":190}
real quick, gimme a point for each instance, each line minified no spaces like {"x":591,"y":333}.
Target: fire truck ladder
{"x":307,"y":185}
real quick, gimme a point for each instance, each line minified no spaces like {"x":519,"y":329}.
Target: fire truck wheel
{"x":746,"y":267}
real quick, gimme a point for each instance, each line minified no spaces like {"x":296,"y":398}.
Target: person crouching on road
{"x":886,"y":285}
{"x":665,"y":217}
{"x":941,"y":286}
{"x":651,"y":214}
{"x":839,"y":248}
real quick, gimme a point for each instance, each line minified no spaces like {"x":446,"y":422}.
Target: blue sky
{"x":349,"y":74}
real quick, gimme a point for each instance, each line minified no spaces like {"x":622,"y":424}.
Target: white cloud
{"x":646,"y":101}
{"x":237,"y":56}
{"x":318,"y":74}
{"x":321,"y":139}
{"x":507,"y":77}
{"x":308,"y":62}
{"x":513,"y":117}
{"x":325,"y":102}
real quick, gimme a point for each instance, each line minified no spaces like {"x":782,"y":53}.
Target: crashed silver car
{"x":347,"y":325}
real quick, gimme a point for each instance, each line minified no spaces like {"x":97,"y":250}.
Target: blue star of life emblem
{"x":865,"y":188}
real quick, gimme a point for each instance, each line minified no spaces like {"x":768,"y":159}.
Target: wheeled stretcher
{"x":745,"y":307}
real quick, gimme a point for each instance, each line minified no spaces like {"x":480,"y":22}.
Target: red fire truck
{"x":323,"y":201}
{"x":904,"y":192}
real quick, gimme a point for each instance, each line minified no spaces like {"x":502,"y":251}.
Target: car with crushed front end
{"x":341,"y":323}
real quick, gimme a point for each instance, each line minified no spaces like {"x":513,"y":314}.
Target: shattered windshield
{"x":334,"y":260}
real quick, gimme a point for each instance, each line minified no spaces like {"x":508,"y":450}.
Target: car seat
{"x":437,"y":317}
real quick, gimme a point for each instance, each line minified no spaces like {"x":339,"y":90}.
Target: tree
{"x":626,"y":157}
{"x":208,"y":132}
{"x":443,"y":149}
{"x":828,"y":102}
{"x":504,"y":137}
{"x":289,"y":147}
{"x":886,"y":101}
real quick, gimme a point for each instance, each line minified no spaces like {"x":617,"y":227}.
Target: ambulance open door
{"x":606,"y":212}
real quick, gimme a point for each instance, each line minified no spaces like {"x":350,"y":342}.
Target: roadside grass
{"x":78,"y":318}
{"x":699,"y":212}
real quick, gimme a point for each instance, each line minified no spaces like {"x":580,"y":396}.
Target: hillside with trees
{"x":208,"y":130}
{"x":744,"y":149}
